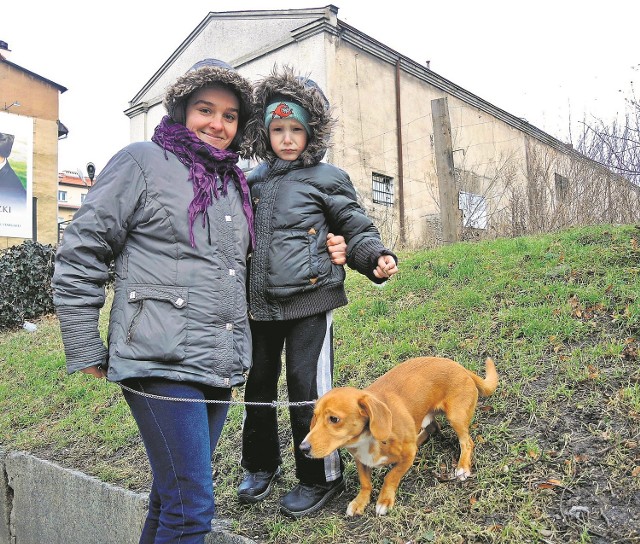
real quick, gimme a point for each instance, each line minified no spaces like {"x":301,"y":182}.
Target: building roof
{"x":33,"y":74}
{"x":74,"y":179}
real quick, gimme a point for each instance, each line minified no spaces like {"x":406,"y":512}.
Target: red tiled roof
{"x":71,"y":178}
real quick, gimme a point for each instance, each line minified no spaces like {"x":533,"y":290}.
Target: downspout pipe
{"x":400,"y":158}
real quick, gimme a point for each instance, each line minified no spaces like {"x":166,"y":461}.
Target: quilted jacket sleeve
{"x":364,"y":245}
{"x":97,"y":233}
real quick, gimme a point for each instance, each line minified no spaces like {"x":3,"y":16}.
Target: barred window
{"x":382,"y":189}
{"x":562,"y":187}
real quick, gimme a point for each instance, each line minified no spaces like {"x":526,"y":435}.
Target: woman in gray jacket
{"x":175,"y":215}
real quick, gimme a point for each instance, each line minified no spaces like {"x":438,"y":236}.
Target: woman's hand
{"x":96,"y":371}
{"x":337,"y":248}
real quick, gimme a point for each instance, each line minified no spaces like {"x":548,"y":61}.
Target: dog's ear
{"x":379,"y":417}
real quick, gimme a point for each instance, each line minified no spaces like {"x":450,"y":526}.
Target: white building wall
{"x":358,"y":75}
{"x":365,"y":141}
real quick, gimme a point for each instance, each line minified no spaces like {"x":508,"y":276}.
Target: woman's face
{"x":212,"y":115}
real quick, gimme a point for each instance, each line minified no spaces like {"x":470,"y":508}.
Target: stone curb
{"x":41,"y":501}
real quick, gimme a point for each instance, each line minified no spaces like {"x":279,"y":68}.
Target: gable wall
{"x":39,"y":100}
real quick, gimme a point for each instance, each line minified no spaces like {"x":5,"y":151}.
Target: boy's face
{"x":288,"y":138}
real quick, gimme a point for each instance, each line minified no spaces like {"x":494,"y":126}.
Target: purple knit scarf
{"x":205,"y":163}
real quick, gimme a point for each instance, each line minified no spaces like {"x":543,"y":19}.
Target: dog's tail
{"x":490,"y":382}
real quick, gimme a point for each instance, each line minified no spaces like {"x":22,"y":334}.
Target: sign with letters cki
{"x":16,"y":175}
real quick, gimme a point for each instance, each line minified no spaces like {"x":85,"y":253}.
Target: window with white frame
{"x":474,"y":210}
{"x":62,"y":196}
{"x":382,"y":188}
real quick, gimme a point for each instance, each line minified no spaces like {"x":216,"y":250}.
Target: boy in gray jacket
{"x":293,"y":286}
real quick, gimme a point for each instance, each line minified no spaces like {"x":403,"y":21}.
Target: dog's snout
{"x":305,"y":448}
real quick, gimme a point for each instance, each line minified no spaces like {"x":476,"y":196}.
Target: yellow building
{"x":29,"y":108}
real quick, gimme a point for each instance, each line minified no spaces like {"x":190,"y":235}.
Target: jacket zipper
{"x":134,"y":322}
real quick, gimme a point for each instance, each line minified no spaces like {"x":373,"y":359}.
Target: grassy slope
{"x":557,"y":452}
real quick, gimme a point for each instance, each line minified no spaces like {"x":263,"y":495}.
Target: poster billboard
{"x":16,"y":175}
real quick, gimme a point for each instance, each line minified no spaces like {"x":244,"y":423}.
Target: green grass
{"x":559,"y":314}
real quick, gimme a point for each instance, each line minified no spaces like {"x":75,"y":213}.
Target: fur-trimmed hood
{"x":205,"y":73}
{"x":285,"y":84}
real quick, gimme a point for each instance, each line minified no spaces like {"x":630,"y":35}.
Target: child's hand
{"x":386,"y":267}
{"x":337,"y":248}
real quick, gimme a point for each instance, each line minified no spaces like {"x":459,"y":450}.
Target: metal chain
{"x":273,"y":404}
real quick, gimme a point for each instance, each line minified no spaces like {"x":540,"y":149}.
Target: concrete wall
{"x":45,"y":177}
{"x":43,"y":502}
{"x":363,"y":95}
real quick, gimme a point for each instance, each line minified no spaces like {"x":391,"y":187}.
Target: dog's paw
{"x":382,"y":509}
{"x":384,"y":504}
{"x":462,"y":473}
{"x":355,"y":508}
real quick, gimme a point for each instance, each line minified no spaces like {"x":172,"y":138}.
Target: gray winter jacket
{"x":296,"y":204}
{"x":179,"y":312}
{"x":291,"y":274}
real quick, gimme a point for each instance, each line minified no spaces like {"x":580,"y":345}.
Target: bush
{"x":25,"y":275}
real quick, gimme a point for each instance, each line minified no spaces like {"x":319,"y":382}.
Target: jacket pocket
{"x":155,"y":320}
{"x":293,"y":262}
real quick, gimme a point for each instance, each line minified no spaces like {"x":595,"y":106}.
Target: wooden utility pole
{"x":449,"y":210}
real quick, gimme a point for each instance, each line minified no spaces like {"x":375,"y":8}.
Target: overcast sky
{"x":547,"y":61}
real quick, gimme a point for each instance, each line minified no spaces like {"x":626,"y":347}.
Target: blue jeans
{"x":180,"y":438}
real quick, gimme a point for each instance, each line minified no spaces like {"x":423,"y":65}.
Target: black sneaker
{"x":305,"y":499}
{"x":257,"y":486}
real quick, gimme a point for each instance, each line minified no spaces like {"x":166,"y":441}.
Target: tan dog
{"x":385,"y":423}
